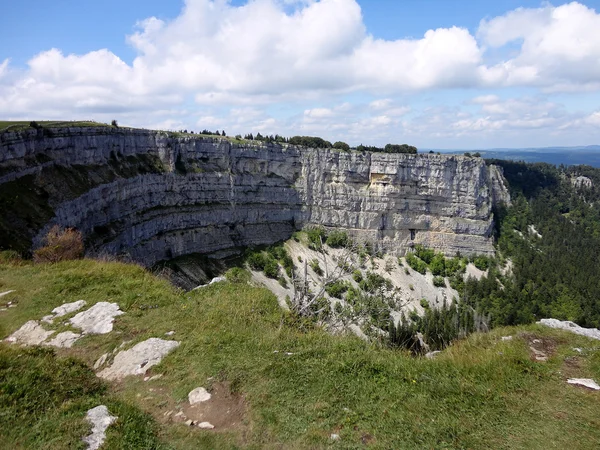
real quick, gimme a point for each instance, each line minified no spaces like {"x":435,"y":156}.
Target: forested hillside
{"x":551,"y":233}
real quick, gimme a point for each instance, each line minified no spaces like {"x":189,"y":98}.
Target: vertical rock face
{"x":155,"y":196}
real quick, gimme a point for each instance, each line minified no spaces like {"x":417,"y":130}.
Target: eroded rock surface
{"x":98,"y":319}
{"x":138,"y":359}
{"x":65,"y":339}
{"x":100,"y":419}
{"x":585,"y":382}
{"x":156,"y":196}
{"x":63,"y":310}
{"x":32,"y":333}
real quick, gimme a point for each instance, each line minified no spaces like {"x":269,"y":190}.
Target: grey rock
{"x":100,"y":419}
{"x":100,"y":362}
{"x":2,"y":294}
{"x":138,"y":359}
{"x":65,"y":339}
{"x":31,"y":333}
{"x":63,"y":310}
{"x":98,"y":319}
{"x":206,"y":425}
{"x":198,"y":395}
{"x":208,"y":195}
{"x":593,"y":333}
{"x":585,"y":382}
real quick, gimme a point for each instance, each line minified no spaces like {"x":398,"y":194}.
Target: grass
{"x":479,"y":393}
{"x":15,"y":125}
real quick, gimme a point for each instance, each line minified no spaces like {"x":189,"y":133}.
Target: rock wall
{"x":155,"y":196}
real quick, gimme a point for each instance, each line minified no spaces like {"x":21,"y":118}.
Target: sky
{"x":431,"y":73}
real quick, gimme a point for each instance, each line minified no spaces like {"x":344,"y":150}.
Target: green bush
{"x":271,"y":269}
{"x":257,"y":260}
{"x":426,"y":254}
{"x":481,"y":262}
{"x":439,"y":282}
{"x":416,"y":264}
{"x":357,"y":276}
{"x":337,"y":288}
{"x":315,"y":266}
{"x":337,"y":238}
{"x":316,"y":235}
{"x":424,"y":303}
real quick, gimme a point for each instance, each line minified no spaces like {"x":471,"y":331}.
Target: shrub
{"x":357,"y":276}
{"x":282,"y":282}
{"x":34,"y":124}
{"x":424,"y":303}
{"x":438,"y":265}
{"x":337,"y":238}
{"x":416,"y":264}
{"x":337,"y":288}
{"x":114,"y":123}
{"x":257,"y":260}
{"x":271,"y":269}
{"x":316,"y":235}
{"x":314,"y":265}
{"x":439,"y":282}
{"x":411,"y":287}
{"x":60,"y":245}
{"x":341,"y":146}
{"x":426,"y":254}
{"x":481,"y":262}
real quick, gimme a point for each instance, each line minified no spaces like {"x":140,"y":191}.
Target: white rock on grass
{"x":213,"y":281}
{"x":98,"y":319}
{"x":32,"y":333}
{"x":586,"y":382}
{"x":100,"y":362}
{"x":593,"y":333}
{"x":100,"y":419}
{"x":2,"y":294}
{"x":65,"y":339}
{"x":199,"y":395}
{"x":138,"y":359}
{"x":205,"y":425}
{"x":63,"y":310}
{"x":506,"y":338}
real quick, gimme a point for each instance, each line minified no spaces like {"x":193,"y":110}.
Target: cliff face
{"x":154,"y":196}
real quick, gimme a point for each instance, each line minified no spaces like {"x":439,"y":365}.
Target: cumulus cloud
{"x":560,"y":47}
{"x":219,"y":65}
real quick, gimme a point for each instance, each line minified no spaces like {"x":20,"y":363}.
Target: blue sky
{"x":433,"y":73}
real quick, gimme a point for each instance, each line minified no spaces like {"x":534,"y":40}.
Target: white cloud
{"x":559,"y":47}
{"x":217,"y":65}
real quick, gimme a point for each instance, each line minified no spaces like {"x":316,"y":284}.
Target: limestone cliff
{"x":154,"y":196}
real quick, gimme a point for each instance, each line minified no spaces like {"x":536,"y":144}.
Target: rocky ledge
{"x":154,"y":195}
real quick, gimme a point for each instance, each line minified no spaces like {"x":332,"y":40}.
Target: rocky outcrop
{"x":154,"y":195}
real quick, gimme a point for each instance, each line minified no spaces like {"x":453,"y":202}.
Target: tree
{"x":114,"y":123}
{"x":341,"y":146}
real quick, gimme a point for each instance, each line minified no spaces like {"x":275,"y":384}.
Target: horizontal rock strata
{"x":154,"y":196}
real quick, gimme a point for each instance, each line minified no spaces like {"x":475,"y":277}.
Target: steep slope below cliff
{"x":154,"y":196}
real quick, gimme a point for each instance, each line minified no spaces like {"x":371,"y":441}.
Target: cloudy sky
{"x":432,"y":73}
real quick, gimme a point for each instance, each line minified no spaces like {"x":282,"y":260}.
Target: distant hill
{"x":589,"y":155}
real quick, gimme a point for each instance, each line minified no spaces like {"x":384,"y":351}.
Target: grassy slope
{"x":481,"y":393}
